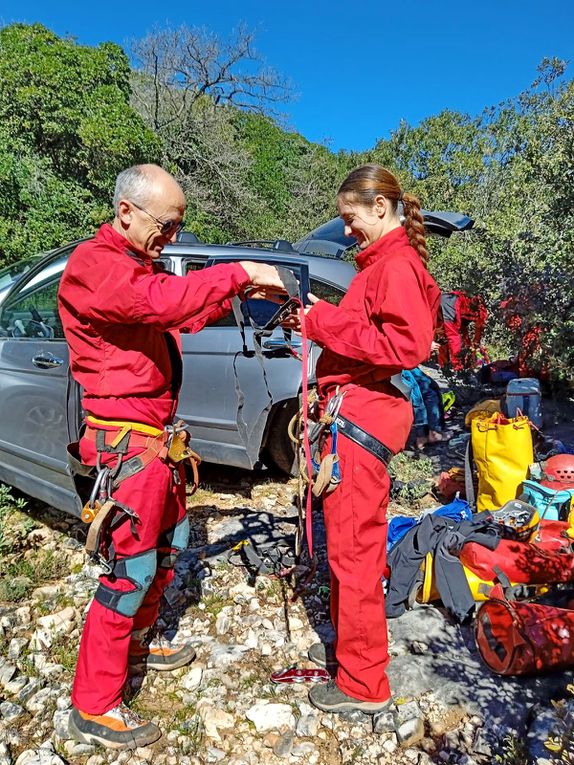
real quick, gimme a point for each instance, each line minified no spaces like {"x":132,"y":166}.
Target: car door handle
{"x":47,"y":361}
{"x":278,"y":343}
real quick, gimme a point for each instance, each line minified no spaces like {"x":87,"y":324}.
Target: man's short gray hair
{"x":133,"y":184}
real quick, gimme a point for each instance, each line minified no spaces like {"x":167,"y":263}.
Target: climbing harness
{"x":254,"y":557}
{"x":325,"y":472}
{"x":116,"y":437}
{"x":273,"y":559}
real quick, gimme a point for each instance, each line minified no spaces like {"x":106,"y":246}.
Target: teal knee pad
{"x":175,"y":540}
{"x":139,"y":570}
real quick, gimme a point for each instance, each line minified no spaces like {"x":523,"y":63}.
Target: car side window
{"x":225,"y":321}
{"x":32,"y":312}
{"x":326,"y":291}
{"x":193,"y":265}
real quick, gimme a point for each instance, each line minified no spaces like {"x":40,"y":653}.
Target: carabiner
{"x":98,"y":491}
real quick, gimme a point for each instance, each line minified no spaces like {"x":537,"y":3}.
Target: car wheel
{"x":280,"y":450}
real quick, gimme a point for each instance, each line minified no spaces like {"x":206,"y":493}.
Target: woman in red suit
{"x":383,"y":325}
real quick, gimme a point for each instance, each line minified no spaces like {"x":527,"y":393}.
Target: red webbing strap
{"x":306,"y":447}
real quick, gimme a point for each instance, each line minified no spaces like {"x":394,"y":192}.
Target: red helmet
{"x":559,"y":472}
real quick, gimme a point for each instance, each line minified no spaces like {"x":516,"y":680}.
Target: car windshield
{"x":11,"y":274}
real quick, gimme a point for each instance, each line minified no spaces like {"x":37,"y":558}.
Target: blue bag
{"x":458,"y":510}
{"x":552,"y":505}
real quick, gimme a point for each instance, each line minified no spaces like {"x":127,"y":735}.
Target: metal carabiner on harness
{"x":327,"y":469}
{"x":98,"y":496}
{"x":331,"y":411}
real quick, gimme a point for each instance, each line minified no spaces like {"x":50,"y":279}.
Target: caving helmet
{"x":558,"y":472}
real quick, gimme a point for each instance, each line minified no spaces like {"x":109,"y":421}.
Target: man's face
{"x":151,"y":226}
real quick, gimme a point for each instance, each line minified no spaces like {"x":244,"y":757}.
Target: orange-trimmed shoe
{"x":118,"y":728}
{"x":158,"y":653}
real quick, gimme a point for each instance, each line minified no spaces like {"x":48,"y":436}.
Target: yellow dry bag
{"x":502,"y":451}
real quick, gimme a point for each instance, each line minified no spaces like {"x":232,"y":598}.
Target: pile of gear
{"x":505,"y":555}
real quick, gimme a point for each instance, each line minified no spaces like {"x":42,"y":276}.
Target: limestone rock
{"x":10,"y":711}
{"x":60,"y":723}
{"x":40,"y":756}
{"x":192,"y":680}
{"x":5,"y":757}
{"x":266,"y":716}
{"x":214,"y":719}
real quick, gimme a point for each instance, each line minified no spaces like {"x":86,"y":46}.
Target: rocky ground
{"x":224,"y":708}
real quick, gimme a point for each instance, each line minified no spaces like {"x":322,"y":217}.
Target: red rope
{"x":306,"y":447}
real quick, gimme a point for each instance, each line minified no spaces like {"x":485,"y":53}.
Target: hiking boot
{"x":157,"y":653}
{"x":323,"y":655}
{"x":118,"y":728}
{"x":329,"y":698}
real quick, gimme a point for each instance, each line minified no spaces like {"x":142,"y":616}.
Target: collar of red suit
{"x":390,"y":241}
{"x":109,"y":234}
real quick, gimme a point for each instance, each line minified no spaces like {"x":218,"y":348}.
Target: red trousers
{"x":451,"y":350}
{"x":356,"y":525}
{"x":159,"y":501}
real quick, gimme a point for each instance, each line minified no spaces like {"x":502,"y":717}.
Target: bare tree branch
{"x":174,"y":68}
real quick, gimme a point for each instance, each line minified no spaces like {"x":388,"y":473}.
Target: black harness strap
{"x":362,"y":438}
{"x":250,"y":443}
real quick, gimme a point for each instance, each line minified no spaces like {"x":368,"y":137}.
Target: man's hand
{"x":265,"y":279}
{"x":294,"y":321}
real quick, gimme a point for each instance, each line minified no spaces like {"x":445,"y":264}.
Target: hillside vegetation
{"x":72,"y":116}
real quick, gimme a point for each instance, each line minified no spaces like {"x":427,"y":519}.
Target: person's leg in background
{"x":432,"y":402}
{"x":454,"y":345}
{"x":421,"y":423}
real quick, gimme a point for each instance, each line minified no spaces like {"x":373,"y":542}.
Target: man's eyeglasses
{"x":166,"y":227}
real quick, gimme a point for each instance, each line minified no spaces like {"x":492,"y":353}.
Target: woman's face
{"x":366,"y":222}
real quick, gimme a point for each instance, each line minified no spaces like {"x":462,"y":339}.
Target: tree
{"x":67,"y":130}
{"x":190,"y":87}
{"x":177,"y":67}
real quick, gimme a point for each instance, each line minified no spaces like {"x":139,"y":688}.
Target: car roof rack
{"x":272,"y":244}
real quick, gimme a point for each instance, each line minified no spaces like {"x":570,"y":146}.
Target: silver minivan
{"x":237,"y":403}
{"x":40,"y":409}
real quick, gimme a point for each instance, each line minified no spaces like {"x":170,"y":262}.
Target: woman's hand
{"x":293,"y":322}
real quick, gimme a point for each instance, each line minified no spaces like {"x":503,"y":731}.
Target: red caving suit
{"x":384,"y":324}
{"x":122,"y":320}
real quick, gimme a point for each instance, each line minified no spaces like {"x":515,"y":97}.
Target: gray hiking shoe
{"x":158,"y":653}
{"x":329,"y":698}
{"x":118,"y":728}
{"x":323,"y":655}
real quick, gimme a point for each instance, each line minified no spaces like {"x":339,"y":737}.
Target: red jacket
{"x":122,"y":319}
{"x":384,"y":324}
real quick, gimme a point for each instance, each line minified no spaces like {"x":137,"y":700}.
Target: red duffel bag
{"x":521,"y":562}
{"x":551,"y":535}
{"x":519,"y":638}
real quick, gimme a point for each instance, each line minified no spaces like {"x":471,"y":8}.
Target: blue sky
{"x":357,"y":67}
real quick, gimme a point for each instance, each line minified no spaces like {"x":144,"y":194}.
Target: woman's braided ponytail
{"x":414,"y":225}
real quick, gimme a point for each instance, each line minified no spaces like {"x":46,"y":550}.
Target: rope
{"x":306,"y":445}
